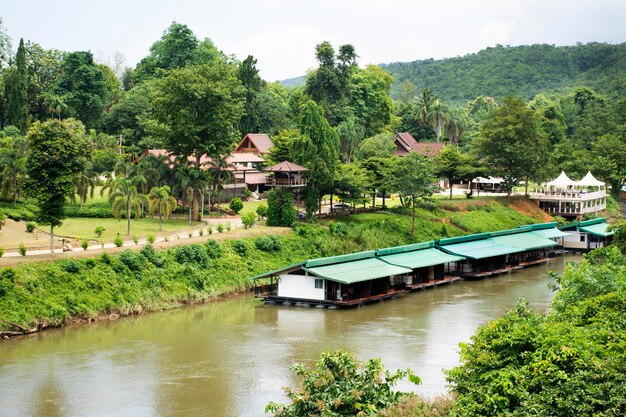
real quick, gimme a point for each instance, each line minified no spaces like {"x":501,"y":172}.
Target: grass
{"x":85,"y":227}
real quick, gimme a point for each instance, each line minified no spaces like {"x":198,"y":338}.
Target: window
{"x":583,"y":238}
{"x":319,"y":283}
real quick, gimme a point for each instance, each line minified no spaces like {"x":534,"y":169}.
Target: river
{"x":230,"y":358}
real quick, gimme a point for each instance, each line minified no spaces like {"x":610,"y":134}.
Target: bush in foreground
{"x":341,"y":386}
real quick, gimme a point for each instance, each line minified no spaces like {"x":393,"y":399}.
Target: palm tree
{"x":350,"y":134}
{"x":456,"y":124}
{"x":219,"y":172}
{"x":192,"y":185}
{"x":161,"y":201}
{"x":125,"y":197}
{"x":85,"y":184}
{"x":55,"y":104}
{"x":424,"y":112}
{"x":12,"y":172}
{"x":439,"y":115}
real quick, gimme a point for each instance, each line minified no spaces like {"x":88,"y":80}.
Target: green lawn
{"x":84,"y":227}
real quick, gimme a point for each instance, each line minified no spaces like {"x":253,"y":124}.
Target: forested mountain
{"x":521,"y":70}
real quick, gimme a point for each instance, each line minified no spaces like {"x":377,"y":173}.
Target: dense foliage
{"x":341,"y":386}
{"x":568,"y":362}
{"x":520,"y":70}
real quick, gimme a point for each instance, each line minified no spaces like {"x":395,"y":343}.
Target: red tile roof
{"x":407,"y":143}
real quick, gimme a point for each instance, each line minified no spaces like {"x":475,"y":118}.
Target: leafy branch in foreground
{"x":342,"y":386}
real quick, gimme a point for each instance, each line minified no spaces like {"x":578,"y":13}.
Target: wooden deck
{"x":535,"y":262}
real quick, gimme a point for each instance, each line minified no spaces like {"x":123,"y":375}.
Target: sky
{"x":282,"y":34}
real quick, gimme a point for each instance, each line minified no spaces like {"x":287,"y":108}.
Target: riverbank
{"x":52,"y":293}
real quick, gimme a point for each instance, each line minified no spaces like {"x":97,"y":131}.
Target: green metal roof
{"x":339,"y":259}
{"x":599,"y":229}
{"x":405,"y":248}
{"x":461,"y":239}
{"x":479,"y":249}
{"x":540,"y":226}
{"x":550,"y":233}
{"x":584,"y":223}
{"x":420,"y":258}
{"x":278,"y":271}
{"x":357,"y":271}
{"x":525,"y":241}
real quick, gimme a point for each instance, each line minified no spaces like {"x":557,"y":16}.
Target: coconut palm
{"x":439,"y":116}
{"x":424,"y":107}
{"x":350,"y":135}
{"x":192,"y":185}
{"x":125,"y":197}
{"x":55,"y":104}
{"x":12,"y":172}
{"x":162,"y":202}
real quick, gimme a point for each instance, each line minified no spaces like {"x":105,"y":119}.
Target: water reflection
{"x":232,"y":357}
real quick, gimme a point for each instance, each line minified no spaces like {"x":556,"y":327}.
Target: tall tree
{"x":512,"y":144}
{"x":412,"y":176}
{"x":318,"y":150}
{"x":12,"y":166}
{"x":83,"y":88}
{"x":455,"y":165}
{"x":202,"y":107}
{"x":350,"y":136}
{"x":17,"y":91}
{"x":58,"y":152}
{"x":178,"y":47}
{"x":5,"y":46}
{"x":249,"y":76}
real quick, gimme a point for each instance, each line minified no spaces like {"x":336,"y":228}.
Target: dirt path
{"x":237,"y":233}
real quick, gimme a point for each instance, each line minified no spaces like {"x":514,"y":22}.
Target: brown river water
{"x":231,"y":358}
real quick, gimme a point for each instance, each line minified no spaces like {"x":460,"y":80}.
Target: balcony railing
{"x":567,"y":196}
{"x":575,"y":211}
{"x":285,"y":182}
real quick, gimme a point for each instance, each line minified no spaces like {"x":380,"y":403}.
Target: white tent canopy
{"x":562,"y":181}
{"x":490,"y":180}
{"x":590,"y":181}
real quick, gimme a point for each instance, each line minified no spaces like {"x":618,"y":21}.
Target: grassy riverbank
{"x":53,"y":293}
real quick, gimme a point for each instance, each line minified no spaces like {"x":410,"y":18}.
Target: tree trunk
{"x":195,"y":206}
{"x":413,"y":218}
{"x":450,"y":184}
{"x":374,"y":200}
{"x":190,"y":207}
{"x":52,"y":239}
{"x":438,"y":131}
{"x":160,"y":219}
{"x":384,"y":192}
{"x":526,"y":187}
{"x":128,"y":216}
{"x":331,"y":202}
{"x":200,"y":218}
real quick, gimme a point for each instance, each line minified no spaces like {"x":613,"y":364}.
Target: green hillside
{"x":520,"y":70}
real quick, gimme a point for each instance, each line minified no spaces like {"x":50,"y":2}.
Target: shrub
{"x":30,"y":227}
{"x":72,"y":267}
{"x":84,"y":244}
{"x":106,"y":259}
{"x":133,"y":261}
{"x":248,"y":220}
{"x":341,"y":386}
{"x":1,"y":251}
{"x":220,"y":228}
{"x":246,"y":193}
{"x":268,"y":243}
{"x":191,"y":254}
{"x":166,"y":238}
{"x":152,"y":256}
{"x":210,"y":229}
{"x":341,"y":229}
{"x":99,"y":230}
{"x":151,"y":238}
{"x":201,"y":231}
{"x":118,"y":241}
{"x":240,"y":247}
{"x":331,"y":227}
{"x":236,"y":205}
{"x":21,"y":249}
{"x":228,"y":226}
{"x":261,"y":211}
{"x":190,"y":233}
{"x":135,"y":239}
{"x":90,"y":263}
{"x":213,"y":249}
{"x":102,"y":243}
